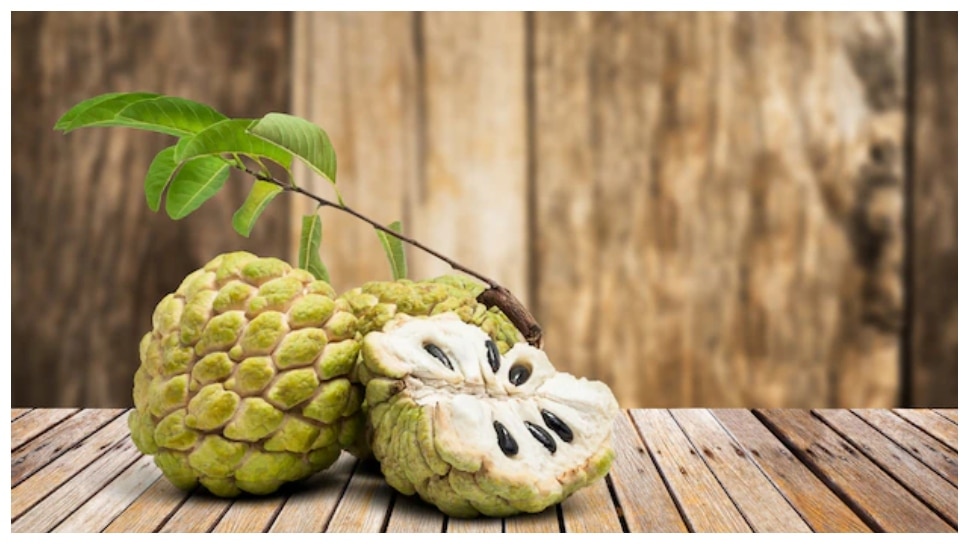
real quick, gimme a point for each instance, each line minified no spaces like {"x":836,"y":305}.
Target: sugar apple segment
{"x":476,"y":432}
{"x":243,"y":383}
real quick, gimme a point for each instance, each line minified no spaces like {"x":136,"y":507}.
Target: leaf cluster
{"x":209,"y":144}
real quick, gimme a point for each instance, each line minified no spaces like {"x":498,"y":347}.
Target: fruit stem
{"x":495,"y":295}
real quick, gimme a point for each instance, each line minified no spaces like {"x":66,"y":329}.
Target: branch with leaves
{"x":209,"y":144}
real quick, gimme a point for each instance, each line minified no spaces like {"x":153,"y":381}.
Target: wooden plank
{"x":200,"y":513}
{"x":546,"y":522}
{"x":80,"y":203}
{"x":915,"y":441}
{"x":47,"y":447}
{"x":149,"y":510}
{"x":99,"y":511}
{"x":355,"y":75}
{"x":761,"y":124}
{"x":312,"y":503}
{"x":53,"y":475}
{"x":17,"y":413}
{"x":566,"y":256}
{"x":645,"y":501}
{"x":480,"y":525}
{"x":36,"y":423}
{"x":933,"y":424}
{"x":762,"y":505}
{"x":250,"y":515}
{"x":60,"y":503}
{"x":364,"y":505}
{"x":910,"y":472}
{"x":876,"y":497}
{"x":471,"y":201}
{"x":591,"y":509}
{"x":410,"y":514}
{"x":950,"y":414}
{"x":700,"y":497}
{"x":818,"y":505}
{"x":932,"y":266}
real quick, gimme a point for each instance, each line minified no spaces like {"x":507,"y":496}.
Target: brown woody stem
{"x":495,"y":295}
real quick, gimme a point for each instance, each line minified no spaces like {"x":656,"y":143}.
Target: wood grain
{"x":57,"y":505}
{"x":250,"y":515}
{"x":364,"y":506}
{"x":45,"y":448}
{"x":591,"y":510}
{"x":199,"y":513}
{"x":700,"y":497}
{"x":545,"y":522}
{"x":91,"y":259}
{"x":149,"y":510}
{"x":915,"y":441}
{"x":312,"y":503}
{"x":410,"y":514}
{"x":854,"y":477}
{"x":816,"y":503}
{"x":481,"y":525}
{"x":933,"y":424}
{"x":640,"y":490}
{"x":787,"y":292}
{"x":53,"y":475}
{"x":932,"y":265}
{"x":762,"y":505}
{"x":356,"y":75}
{"x":893,"y":459}
{"x":17,"y":413}
{"x":950,"y":414}
{"x":471,"y":199}
{"x":36,"y":423}
{"x":98,"y":512}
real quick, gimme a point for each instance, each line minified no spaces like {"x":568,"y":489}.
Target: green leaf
{"x":395,"y":251}
{"x":159,"y":173}
{"x":169,"y":115}
{"x":99,"y":111}
{"x":195,"y":182}
{"x":259,"y":196}
{"x":310,"y":248}
{"x":304,"y":139}
{"x":230,"y":136}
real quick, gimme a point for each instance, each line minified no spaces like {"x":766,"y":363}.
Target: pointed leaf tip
{"x":310,"y":248}
{"x":259,"y":197}
{"x":394,"y":248}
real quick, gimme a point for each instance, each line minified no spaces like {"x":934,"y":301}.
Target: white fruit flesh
{"x":466,"y":400}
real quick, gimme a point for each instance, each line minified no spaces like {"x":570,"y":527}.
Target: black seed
{"x":542,"y":436}
{"x":436,"y":352}
{"x":553,"y":423}
{"x":505,"y":440}
{"x":519,"y":373}
{"x":493,"y":356}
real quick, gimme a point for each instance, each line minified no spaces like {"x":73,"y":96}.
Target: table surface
{"x":677,"y":470}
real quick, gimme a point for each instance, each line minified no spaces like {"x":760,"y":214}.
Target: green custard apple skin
{"x":477,"y":432}
{"x":244,"y":382}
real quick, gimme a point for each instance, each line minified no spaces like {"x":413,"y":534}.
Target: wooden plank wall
{"x":90,"y":259}
{"x":717,"y":209}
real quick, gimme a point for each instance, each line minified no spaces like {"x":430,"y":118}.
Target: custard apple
{"x":243,"y":383}
{"x":477,"y":432}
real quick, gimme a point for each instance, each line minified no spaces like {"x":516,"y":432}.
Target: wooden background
{"x":701,"y":209}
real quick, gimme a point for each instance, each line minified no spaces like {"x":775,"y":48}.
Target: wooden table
{"x":700,"y":470}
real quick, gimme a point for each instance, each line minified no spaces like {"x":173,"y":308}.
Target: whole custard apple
{"x":244,"y":379}
{"x":477,"y":432}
